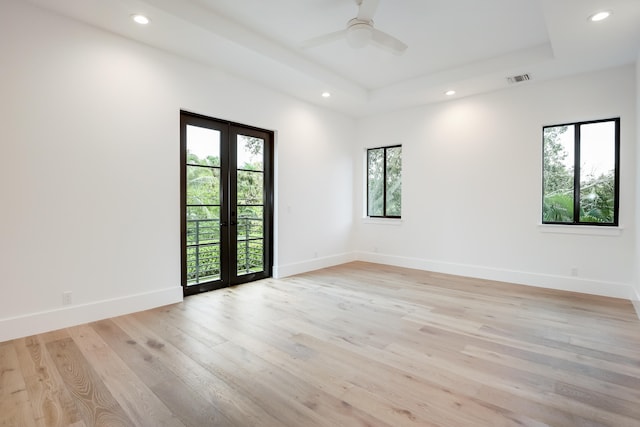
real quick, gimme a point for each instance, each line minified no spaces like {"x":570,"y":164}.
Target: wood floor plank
{"x":135,"y":398}
{"x":15,"y":408}
{"x":357,"y":344}
{"x":195,"y":369}
{"x":51,"y":403}
{"x":95,"y":402}
{"x":409,"y":391}
{"x":185,"y":402}
{"x":573,"y":374}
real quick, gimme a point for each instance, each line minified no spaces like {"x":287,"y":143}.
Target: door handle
{"x":234,"y":223}
{"x":223,"y":223}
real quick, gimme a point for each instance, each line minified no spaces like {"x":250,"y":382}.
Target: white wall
{"x":89,"y":170}
{"x":472,"y":187}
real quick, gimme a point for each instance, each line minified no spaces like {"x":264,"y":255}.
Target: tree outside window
{"x":384,"y":183}
{"x":580,"y":173}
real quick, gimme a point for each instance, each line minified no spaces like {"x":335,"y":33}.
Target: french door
{"x":227,"y":203}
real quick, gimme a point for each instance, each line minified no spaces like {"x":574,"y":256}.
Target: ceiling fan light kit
{"x":359,"y":33}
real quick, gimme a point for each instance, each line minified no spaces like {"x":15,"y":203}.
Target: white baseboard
{"x":636,"y":302}
{"x":35,"y":323}
{"x":636,"y":305}
{"x":312,"y":264}
{"x":45,"y":321}
{"x":564,"y":283}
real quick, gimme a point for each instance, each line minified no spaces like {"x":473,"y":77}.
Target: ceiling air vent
{"x":518,"y":79}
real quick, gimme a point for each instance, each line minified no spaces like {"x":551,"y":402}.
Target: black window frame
{"x":576,"y":174}
{"x":384,"y":180}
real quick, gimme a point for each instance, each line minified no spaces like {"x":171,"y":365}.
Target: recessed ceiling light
{"x":600,"y":16}
{"x":450,"y":92}
{"x":140,"y":19}
{"x":326,"y":95}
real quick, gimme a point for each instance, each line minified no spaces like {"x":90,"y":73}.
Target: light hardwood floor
{"x":354,"y":345}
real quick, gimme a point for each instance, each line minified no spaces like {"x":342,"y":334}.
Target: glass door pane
{"x":393,"y":185}
{"x":559,"y":159}
{"x":203,"y":190}
{"x":375,"y":182}
{"x":597,"y":172}
{"x":250,"y":204}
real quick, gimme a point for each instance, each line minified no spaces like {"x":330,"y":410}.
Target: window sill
{"x":585,"y":230}
{"x":382,"y":221}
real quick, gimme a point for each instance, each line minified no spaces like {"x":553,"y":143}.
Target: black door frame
{"x":228,"y":209}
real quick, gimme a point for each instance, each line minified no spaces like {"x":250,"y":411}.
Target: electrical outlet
{"x":66,"y":298}
{"x":574,"y":271}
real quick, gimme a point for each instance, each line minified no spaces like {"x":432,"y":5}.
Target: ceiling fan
{"x":360,"y":31}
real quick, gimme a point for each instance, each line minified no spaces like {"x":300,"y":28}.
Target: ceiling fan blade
{"x":367,"y":9}
{"x":324,"y":39}
{"x":388,"y":42}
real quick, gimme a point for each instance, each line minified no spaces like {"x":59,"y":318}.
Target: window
{"x":581,"y":173}
{"x":384,"y":183}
